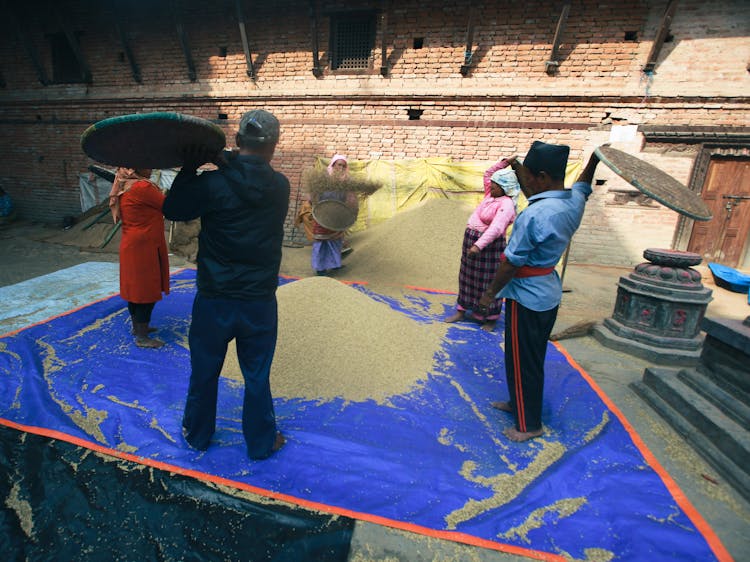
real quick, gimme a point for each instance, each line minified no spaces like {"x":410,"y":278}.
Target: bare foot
{"x":459,"y":315}
{"x":279,"y":443}
{"x":152,"y":343}
{"x":488,"y":326}
{"x":518,"y":436}
{"x":503,"y":407}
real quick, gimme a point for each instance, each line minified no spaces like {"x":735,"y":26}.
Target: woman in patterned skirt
{"x":484,"y":242}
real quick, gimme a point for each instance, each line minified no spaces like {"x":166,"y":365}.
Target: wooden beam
{"x":469,"y":41}
{"x":119,"y":17}
{"x":72,"y":43}
{"x":182,"y":36}
{"x":384,"y":38}
{"x":552,"y":64}
{"x":316,"y":69}
{"x":661,"y":36}
{"x":245,"y":43}
{"x":27,"y":45}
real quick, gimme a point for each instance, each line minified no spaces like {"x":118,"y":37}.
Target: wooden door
{"x":726,"y":192}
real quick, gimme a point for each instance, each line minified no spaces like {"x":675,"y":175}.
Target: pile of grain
{"x":184,"y":239}
{"x":88,"y":236}
{"x":421,"y":246}
{"x":335,"y":341}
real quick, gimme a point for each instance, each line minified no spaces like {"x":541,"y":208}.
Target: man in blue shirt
{"x":242,"y":207}
{"x":527,"y":278}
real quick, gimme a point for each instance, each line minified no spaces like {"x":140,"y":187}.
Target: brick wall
{"x":506,"y":100}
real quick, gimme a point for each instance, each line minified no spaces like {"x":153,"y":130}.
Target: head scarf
{"x":336,"y":158}
{"x":124,"y":180}
{"x":507,"y":180}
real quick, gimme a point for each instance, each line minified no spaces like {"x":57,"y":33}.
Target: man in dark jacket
{"x":242,"y":207}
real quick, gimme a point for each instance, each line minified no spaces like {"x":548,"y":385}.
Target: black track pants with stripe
{"x":526,"y":335}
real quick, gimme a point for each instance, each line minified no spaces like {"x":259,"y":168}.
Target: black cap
{"x":550,"y":158}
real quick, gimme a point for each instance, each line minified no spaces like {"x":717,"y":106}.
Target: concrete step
{"x":729,"y":436}
{"x":726,"y":351}
{"x":721,"y":440}
{"x":729,"y":400}
{"x":727,"y":365}
{"x":733,"y":473}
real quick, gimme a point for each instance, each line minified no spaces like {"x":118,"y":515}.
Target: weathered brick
{"x":505,"y":102}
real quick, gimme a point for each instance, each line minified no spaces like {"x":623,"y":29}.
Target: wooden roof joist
{"x":316,"y":69}
{"x":384,"y":38}
{"x":468,"y":52}
{"x":551,"y":66}
{"x":661,"y":36}
{"x":72,"y":43}
{"x":28,"y":46}
{"x":121,"y":33}
{"x":182,"y":36}
{"x":243,"y":36}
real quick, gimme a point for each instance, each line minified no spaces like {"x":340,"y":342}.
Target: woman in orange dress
{"x":144,"y":261}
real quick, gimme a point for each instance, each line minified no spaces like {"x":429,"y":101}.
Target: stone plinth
{"x":659,"y":309}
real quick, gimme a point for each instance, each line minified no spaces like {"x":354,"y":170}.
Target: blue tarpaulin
{"x":433,"y":461}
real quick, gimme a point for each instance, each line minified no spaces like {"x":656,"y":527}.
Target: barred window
{"x":352,"y":40}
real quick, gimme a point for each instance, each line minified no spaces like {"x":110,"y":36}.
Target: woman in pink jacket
{"x":484,"y":242}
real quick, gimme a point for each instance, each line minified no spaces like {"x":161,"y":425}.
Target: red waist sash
{"x":530,"y":270}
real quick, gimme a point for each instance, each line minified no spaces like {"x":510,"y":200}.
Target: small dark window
{"x":418,"y":42}
{"x":414,"y":114}
{"x":631,"y":36}
{"x":352,"y":40}
{"x":223,"y":52}
{"x":65,"y":67}
{"x":223,"y":116}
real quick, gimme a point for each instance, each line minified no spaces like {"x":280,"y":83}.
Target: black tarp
{"x":64,"y":502}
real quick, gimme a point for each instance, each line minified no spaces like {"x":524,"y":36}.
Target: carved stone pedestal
{"x":659,"y":309}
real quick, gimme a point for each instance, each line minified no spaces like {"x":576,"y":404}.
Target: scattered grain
{"x":316,"y":181}
{"x":418,"y":247}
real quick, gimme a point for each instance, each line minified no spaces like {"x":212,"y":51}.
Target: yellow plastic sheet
{"x":409,"y":183}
